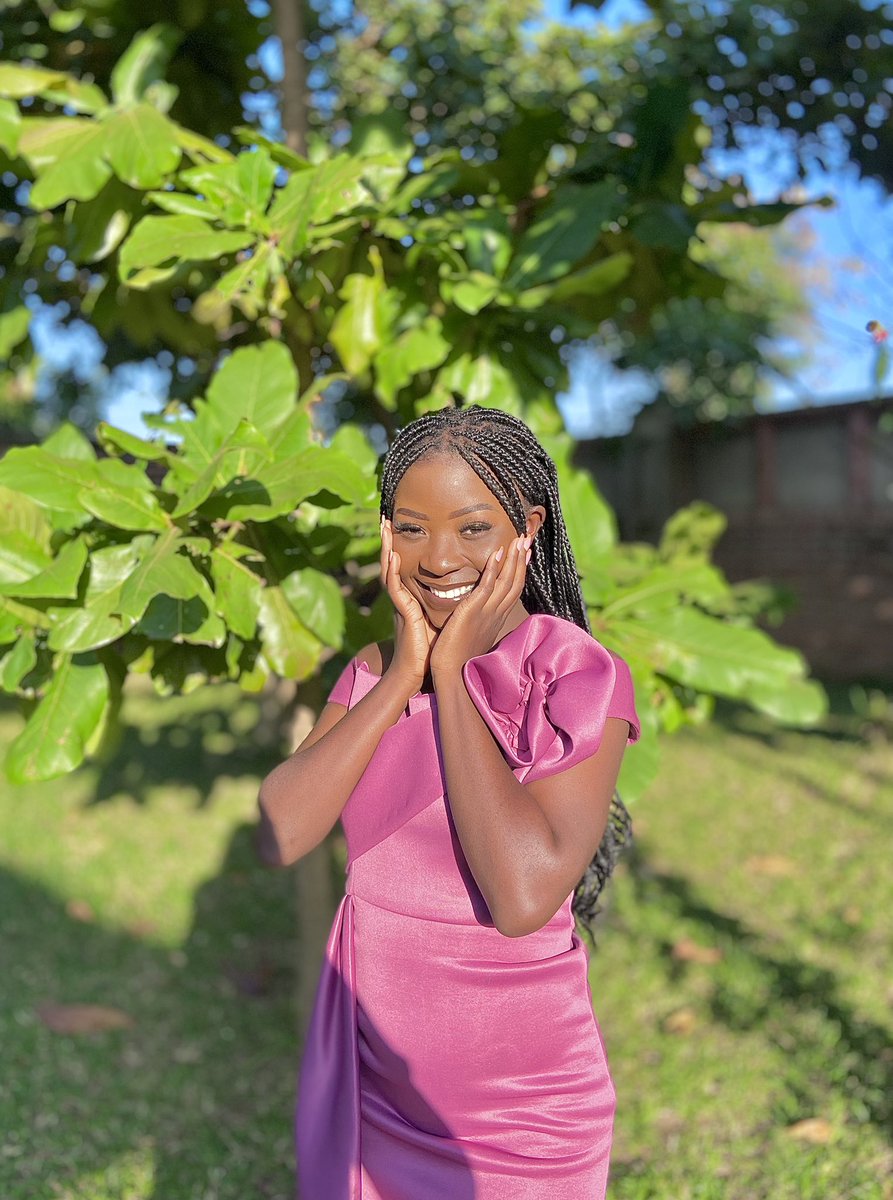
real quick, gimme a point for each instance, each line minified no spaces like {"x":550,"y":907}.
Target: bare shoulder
{"x":377,"y":656}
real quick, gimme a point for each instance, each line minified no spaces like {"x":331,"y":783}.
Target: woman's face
{"x":446,"y":523}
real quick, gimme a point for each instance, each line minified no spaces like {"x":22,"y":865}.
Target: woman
{"x":453,"y":1053}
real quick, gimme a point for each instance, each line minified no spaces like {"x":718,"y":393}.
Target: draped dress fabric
{"x":444,"y":1060}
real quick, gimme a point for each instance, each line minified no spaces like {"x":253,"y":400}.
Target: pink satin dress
{"x":445,"y":1061}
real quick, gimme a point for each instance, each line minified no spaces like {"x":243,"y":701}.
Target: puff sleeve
{"x":545,"y":692}
{"x":341,"y":692}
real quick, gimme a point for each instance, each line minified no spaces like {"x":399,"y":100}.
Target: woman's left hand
{"x":479,"y":619}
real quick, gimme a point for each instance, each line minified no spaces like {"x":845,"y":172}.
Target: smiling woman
{"x":453,"y":1053}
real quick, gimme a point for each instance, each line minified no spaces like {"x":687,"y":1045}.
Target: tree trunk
{"x":315,"y":901}
{"x":288,"y":20}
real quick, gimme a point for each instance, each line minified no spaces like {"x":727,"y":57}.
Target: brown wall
{"x":809,"y":501}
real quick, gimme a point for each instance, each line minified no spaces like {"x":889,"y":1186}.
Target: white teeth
{"x":453,"y":593}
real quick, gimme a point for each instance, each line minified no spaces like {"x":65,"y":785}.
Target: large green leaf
{"x":563,"y":233}
{"x":141,"y":145}
{"x":399,"y":361}
{"x":364,"y":321}
{"x":161,"y":570}
{"x":19,"y":513}
{"x":98,"y":621}
{"x":119,"y":441}
{"x":279,"y":487}
{"x":593,"y":280}
{"x":318,"y":601}
{"x":57,"y":580}
{"x":67,"y":155}
{"x":54,"y":740}
{"x":13,"y":329}
{"x":16,"y":663}
{"x":165,"y":242}
{"x":51,"y":481}
{"x":288,"y":645}
{"x":724,"y":659}
{"x":21,"y":557}
{"x":256,"y":383}
{"x":242,"y":454}
{"x":238,"y":191}
{"x":316,"y":195}
{"x":144,"y":62}
{"x":237,"y":589}
{"x":10,"y":127}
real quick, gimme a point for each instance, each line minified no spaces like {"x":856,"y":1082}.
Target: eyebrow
{"x":460,"y":512}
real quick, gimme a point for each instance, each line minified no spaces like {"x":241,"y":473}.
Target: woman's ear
{"x":536,"y":515}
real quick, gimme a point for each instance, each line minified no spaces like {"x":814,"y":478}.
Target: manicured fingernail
{"x":499,"y":553}
{"x":528,"y":540}
{"x":527,"y":556}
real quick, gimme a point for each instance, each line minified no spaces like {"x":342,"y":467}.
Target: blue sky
{"x":849,"y":264}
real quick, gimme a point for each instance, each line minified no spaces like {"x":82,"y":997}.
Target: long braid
{"x":507,"y":457}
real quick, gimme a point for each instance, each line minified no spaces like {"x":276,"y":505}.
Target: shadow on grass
{"x":796,"y":1004}
{"x":200,"y":1088}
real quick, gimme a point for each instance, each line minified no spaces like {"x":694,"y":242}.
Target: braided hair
{"x":506,"y":456}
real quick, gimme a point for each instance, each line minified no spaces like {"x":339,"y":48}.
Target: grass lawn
{"x":742,"y":976}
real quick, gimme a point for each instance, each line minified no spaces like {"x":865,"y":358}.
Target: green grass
{"x":135,"y":885}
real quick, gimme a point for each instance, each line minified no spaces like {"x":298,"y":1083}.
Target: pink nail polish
{"x":527,"y":556}
{"x":499,"y":553}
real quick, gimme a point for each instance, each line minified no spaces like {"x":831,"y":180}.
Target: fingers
{"x":510,"y":582}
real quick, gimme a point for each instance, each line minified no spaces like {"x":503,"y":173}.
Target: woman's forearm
{"x":505,"y":836}
{"x":302,"y":798}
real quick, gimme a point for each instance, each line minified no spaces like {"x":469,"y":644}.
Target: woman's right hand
{"x":413,"y":636}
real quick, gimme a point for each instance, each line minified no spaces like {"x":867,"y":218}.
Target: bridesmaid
{"x":453,"y":1053}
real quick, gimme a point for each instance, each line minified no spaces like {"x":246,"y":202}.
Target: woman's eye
{"x":478,"y":528}
{"x":408,"y":529}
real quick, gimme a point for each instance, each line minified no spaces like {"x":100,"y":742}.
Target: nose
{"x":442,"y":555}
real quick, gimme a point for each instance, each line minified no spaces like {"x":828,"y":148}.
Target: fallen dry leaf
{"x":83,"y":1018}
{"x":80,"y":910}
{"x":683,"y":1021}
{"x":815,"y":1130}
{"x":775,"y":865}
{"x":685,"y":950}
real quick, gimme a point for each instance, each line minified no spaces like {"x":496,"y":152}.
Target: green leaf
{"x":563,"y":233}
{"x":662,"y":589}
{"x":184,"y":204}
{"x":21,"y":556}
{"x":237,"y":588}
{"x":98,"y":226}
{"x":470,"y":294}
{"x":258,"y":384}
{"x":68,"y":441}
{"x":144,"y":62}
{"x":16,"y":664}
{"x":488,"y":246}
{"x":714,"y":656}
{"x":590,"y":522}
{"x":66,"y":153}
{"x":10,"y":127}
{"x":13,"y":329}
{"x":279,"y":487}
{"x":172,"y":619}
{"x":18,"y":82}
{"x":51,"y":481}
{"x":482,"y":380}
{"x":239,"y":191}
{"x":19,"y":513}
{"x":420,"y":349}
{"x":593,"y":280}
{"x":315,"y":196}
{"x":53,"y":741}
{"x":141,"y":145}
{"x":243,"y":453}
{"x":168,"y":241}
{"x":98,"y":621}
{"x":161,"y":570}
{"x":288,"y":646}
{"x":364,"y":322}
{"x":57,"y":580}
{"x":125,"y":508}
{"x":318,"y":601}
{"x":119,"y":441}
